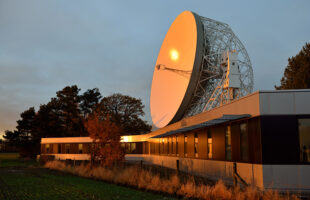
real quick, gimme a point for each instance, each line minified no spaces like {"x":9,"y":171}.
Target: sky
{"x":113,"y":45}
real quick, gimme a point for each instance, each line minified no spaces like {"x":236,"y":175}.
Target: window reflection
{"x":209,"y":144}
{"x":244,"y":144}
{"x":59,"y":148}
{"x":196,"y":146}
{"x":67,"y":148}
{"x":228,"y":143}
{"x":304,"y":139}
{"x":80,"y":148}
{"x":47,"y":148}
{"x":177,"y":146}
{"x":185,"y":145}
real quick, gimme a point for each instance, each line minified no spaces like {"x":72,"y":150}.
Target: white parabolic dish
{"x":177,"y":69}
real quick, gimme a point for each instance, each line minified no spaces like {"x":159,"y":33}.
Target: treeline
{"x":297,"y":73}
{"x":66,"y":114}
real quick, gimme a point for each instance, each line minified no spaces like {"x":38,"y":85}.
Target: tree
{"x":125,"y":112}
{"x":60,"y":117}
{"x":106,"y":147}
{"x":48,"y":121}
{"x":68,"y":101}
{"x":22,"y":137}
{"x":297,"y":72}
{"x":89,"y":100}
{"x":25,"y":125}
{"x":12,"y":137}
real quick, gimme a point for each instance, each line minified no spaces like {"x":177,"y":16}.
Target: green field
{"x":24,"y":179}
{"x":12,"y":160}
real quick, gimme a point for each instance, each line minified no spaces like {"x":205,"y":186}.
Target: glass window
{"x":172,"y":152}
{"x":244,"y":144}
{"x":133,"y":147}
{"x":209,"y":141}
{"x":152,"y":148}
{"x":304,"y":139}
{"x":59,"y":148}
{"x":185,"y":145}
{"x":168,"y":152}
{"x":80,"y":148}
{"x":47,"y":148}
{"x":159,"y":143}
{"x":176,"y":146}
{"x":67,"y":148}
{"x":127,"y":147}
{"x":163,"y":142}
{"x":196,"y":146}
{"x":228,"y":143}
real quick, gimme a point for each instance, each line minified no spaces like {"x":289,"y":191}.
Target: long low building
{"x":266,"y":134}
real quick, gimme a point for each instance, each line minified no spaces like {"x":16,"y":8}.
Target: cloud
{"x":113,"y":45}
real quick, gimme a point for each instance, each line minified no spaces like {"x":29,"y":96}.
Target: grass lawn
{"x":20,"y":179}
{"x":12,"y":160}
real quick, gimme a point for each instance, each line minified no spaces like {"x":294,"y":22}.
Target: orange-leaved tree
{"x":106,"y":147}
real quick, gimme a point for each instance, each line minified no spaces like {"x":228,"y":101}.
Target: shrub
{"x":106,"y":148}
{"x":146,"y":179}
{"x":46,"y":158}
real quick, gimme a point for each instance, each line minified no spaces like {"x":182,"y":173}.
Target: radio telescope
{"x":201,"y":65}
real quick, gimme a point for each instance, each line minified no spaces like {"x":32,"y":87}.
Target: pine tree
{"x":297,"y":72}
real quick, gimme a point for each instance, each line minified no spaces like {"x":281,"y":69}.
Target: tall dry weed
{"x":147,"y":180}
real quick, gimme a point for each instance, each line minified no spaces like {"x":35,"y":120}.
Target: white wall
{"x":214,"y":170}
{"x":281,"y":177}
{"x":284,"y":102}
{"x":70,"y":156}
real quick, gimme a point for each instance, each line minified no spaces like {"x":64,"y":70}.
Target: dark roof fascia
{"x":221,"y":120}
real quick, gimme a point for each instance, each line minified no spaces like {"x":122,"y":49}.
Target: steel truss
{"x":209,"y":92}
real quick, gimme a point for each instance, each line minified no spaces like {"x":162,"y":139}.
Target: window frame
{"x":209,"y":144}
{"x":228,"y":145}
{"x":302,"y":153}
{"x":185,"y":145}
{"x":196,"y":145}
{"x":246,"y":140}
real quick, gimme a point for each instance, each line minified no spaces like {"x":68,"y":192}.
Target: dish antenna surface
{"x":201,"y":65}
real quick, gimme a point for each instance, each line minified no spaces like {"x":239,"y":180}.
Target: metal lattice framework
{"x":209,"y":92}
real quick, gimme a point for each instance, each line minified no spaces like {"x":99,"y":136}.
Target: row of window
{"x":170,"y":141}
{"x":129,"y":148}
{"x":66,"y":146}
{"x":172,"y":145}
{"x":303,"y":132}
{"x":209,"y":145}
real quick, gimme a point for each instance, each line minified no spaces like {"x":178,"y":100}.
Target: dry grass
{"x":147,"y":180}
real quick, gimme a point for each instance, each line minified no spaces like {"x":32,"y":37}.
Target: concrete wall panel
{"x":302,"y":105}
{"x":287,"y":177}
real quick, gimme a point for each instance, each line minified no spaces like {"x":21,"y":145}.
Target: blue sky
{"x":113,"y":45}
